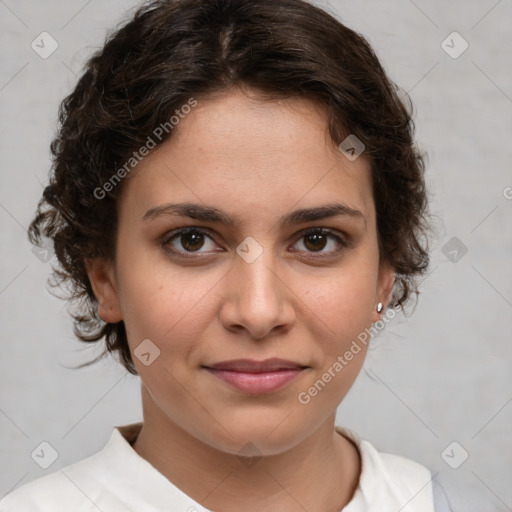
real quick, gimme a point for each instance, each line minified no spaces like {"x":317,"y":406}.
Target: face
{"x":263,"y":274}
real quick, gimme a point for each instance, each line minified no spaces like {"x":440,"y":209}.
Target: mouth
{"x":256,"y":377}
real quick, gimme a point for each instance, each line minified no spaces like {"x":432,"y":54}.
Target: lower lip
{"x":257,"y":383}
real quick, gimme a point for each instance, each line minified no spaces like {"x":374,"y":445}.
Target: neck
{"x":320,"y":473}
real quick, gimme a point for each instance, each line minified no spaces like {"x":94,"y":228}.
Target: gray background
{"x":439,"y":376}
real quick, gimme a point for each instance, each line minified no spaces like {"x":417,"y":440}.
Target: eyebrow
{"x":212,"y":214}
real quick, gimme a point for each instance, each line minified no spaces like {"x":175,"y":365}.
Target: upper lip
{"x":253,"y":366}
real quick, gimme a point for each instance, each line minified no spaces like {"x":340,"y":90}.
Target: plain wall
{"x":439,"y":376}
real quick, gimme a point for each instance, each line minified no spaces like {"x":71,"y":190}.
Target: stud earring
{"x":379,"y":307}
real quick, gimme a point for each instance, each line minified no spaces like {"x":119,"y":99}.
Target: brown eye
{"x":187,"y":240}
{"x":192,"y":241}
{"x":315,"y":240}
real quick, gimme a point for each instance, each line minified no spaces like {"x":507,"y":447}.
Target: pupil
{"x":318,"y":241}
{"x":196,"y":244}
{"x":315,"y":237}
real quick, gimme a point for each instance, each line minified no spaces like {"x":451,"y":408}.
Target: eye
{"x":187,"y":241}
{"x":190,"y":240}
{"x":316,"y":239}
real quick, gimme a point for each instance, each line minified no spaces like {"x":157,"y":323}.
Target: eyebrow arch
{"x":209,"y":213}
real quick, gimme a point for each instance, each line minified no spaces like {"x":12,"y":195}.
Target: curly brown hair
{"x":172,"y":50}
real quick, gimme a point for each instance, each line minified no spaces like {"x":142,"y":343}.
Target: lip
{"x":256,"y":377}
{"x":253,"y":366}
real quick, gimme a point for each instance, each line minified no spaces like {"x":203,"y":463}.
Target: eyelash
{"x":166,"y":241}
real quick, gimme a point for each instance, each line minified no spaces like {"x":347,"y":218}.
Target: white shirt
{"x":118,"y":479}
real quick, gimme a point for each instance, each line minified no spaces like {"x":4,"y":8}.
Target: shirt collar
{"x":141,"y":484}
{"x":149,"y":487}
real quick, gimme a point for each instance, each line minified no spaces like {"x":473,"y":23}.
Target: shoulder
{"x":400,"y":475}
{"x":47,"y":493}
{"x":389,"y":481}
{"x":397,"y":467}
{"x":79,"y":484}
{"x":56,"y":491}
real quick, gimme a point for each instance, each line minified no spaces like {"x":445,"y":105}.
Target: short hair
{"x":170,"y":51}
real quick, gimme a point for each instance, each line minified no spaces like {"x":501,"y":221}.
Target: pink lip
{"x":256,"y":377}
{"x":256,"y":383}
{"x":253,"y":366}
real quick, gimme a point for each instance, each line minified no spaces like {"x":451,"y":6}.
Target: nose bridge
{"x":259,"y":297}
{"x":257,"y":271}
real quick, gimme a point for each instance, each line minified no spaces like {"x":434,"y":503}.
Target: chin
{"x":261,"y":437}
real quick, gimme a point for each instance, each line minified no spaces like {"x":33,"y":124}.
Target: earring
{"x":379,"y":307}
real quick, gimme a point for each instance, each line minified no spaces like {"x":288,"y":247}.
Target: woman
{"x":235,"y":199}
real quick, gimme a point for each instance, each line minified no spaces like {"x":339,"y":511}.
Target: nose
{"x":257,"y":297}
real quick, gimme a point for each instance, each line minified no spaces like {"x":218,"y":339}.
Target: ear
{"x":385,"y":283}
{"x":102,"y":277}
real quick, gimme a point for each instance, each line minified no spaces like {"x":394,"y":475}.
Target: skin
{"x":301,"y":299}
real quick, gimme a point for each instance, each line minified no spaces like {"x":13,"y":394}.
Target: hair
{"x":170,"y":51}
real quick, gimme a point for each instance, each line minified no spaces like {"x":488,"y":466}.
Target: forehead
{"x":257,"y":154}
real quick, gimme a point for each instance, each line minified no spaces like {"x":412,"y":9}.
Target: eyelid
{"x":325,"y":231}
{"x":176,"y":233}
{"x":342,"y":238}
{"x":344,"y":241}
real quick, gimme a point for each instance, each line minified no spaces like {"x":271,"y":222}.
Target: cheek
{"x":163,"y":304}
{"x":341,"y":307}
{"x":343,"y":303}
